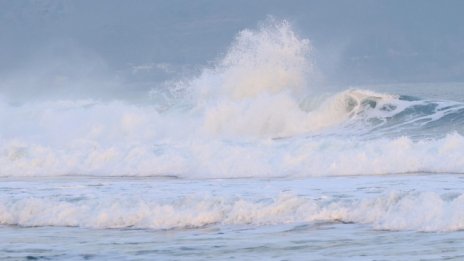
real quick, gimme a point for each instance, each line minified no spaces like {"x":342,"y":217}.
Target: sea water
{"x":250,"y":159}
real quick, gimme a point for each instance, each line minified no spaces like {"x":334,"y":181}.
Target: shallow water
{"x":327,"y":241}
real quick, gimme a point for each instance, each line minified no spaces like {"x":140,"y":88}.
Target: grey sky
{"x":141,"y":43}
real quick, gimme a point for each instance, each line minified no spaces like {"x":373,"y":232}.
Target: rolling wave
{"x":255,"y":113}
{"x":388,"y":115}
{"x":419,"y":211}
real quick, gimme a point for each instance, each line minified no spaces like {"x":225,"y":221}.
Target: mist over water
{"x":68,"y":49}
{"x":258,"y":111}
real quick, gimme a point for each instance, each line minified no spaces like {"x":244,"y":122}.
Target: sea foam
{"x":254,"y":113}
{"x":419,"y":211}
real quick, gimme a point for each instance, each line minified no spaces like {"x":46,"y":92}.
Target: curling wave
{"x":255,"y":113}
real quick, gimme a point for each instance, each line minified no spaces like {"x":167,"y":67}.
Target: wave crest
{"x":424,"y":211}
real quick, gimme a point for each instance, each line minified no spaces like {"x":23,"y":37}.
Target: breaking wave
{"x":419,"y":211}
{"x":255,"y":113}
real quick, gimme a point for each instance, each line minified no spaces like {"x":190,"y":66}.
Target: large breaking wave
{"x":256,"y":113}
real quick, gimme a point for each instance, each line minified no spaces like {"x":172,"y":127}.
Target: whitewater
{"x":249,"y":159}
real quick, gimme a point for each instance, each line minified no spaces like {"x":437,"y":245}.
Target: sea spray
{"x":245,"y":116}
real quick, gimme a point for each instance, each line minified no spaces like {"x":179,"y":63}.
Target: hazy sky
{"x":140,"y":43}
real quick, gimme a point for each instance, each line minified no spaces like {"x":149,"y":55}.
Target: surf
{"x":257,"y":111}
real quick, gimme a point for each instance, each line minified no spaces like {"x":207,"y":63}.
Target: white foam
{"x":425,"y":211}
{"x":214,"y":158}
{"x":236,"y":108}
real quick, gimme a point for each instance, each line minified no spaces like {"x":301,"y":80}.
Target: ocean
{"x":247,"y":159}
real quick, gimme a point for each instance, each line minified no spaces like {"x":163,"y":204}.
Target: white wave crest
{"x":425,"y":211}
{"x":240,"y":106}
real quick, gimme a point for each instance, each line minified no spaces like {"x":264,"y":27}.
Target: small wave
{"x":424,"y":211}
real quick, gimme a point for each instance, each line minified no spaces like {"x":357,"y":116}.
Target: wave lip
{"x":253,"y":113}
